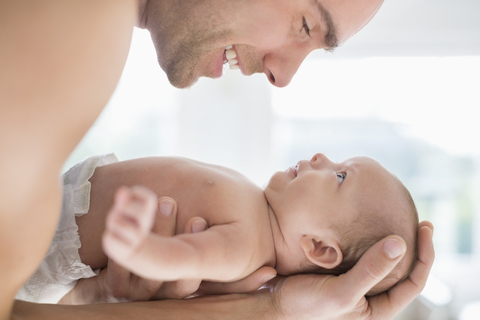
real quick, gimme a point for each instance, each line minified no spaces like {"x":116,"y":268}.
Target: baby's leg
{"x":128,"y":226}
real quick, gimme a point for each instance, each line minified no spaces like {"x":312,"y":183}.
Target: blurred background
{"x":405,"y":90}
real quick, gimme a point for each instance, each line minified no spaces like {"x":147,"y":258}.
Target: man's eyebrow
{"x":330,"y":40}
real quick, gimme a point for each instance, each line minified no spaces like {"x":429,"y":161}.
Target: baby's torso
{"x":219,"y":195}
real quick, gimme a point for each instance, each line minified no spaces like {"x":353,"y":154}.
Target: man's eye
{"x":305,"y":26}
{"x":341,"y":177}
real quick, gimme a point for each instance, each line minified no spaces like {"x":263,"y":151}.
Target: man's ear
{"x":324,"y":252}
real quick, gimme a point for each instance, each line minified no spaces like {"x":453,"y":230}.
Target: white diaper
{"x":62,"y":267}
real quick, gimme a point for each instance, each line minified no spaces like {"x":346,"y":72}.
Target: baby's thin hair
{"x":353,"y":246}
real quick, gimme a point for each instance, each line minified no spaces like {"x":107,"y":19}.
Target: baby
{"x":315,"y":217}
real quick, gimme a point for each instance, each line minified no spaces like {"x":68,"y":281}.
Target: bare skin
{"x":116,"y":284}
{"x":60,"y":62}
{"x":248,"y":226}
{"x":285,"y":299}
{"x":44,"y":117}
{"x":196,"y":191}
{"x":289,"y":225}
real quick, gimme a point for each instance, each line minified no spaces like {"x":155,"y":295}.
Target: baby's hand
{"x":129,"y":222}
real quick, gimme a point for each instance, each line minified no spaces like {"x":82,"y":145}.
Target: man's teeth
{"x":230,"y":54}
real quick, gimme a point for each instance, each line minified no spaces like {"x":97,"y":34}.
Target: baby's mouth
{"x":295,"y":169}
{"x":230,"y":57}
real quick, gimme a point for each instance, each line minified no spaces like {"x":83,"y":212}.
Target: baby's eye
{"x":341,"y":176}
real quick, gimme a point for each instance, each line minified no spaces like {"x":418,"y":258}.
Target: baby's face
{"x":320,"y":194}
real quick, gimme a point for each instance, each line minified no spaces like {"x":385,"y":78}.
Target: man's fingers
{"x":116,"y":281}
{"x":402,"y":294}
{"x":195,"y":224}
{"x":124,"y":286}
{"x":425,"y":224}
{"x":372,"y":267}
{"x":176,"y":289}
{"x":143,"y":289}
{"x":247,"y":284}
{"x":166,"y":218}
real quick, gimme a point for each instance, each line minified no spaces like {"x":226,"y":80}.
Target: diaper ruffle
{"x":62,"y":267}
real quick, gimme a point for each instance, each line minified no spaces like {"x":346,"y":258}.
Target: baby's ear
{"x":324,"y":252}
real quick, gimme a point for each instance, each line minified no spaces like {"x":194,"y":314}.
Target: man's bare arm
{"x":234,"y":307}
{"x":299,"y":297}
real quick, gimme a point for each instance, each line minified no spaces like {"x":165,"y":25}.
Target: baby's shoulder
{"x":240,"y":202}
{"x":219,"y":194}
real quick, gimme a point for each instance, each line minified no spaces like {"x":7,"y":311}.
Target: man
{"x":267,"y":36}
{"x":61,"y":61}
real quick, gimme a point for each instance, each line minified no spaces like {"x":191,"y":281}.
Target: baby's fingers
{"x":129,"y":221}
{"x":138,"y":204}
{"x":116,"y":246}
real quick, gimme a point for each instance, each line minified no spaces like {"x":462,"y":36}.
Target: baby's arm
{"x":222,"y":253}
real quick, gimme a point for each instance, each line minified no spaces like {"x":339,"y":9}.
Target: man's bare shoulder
{"x":60,"y":63}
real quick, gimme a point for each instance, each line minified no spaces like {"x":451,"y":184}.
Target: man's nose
{"x":281,"y":66}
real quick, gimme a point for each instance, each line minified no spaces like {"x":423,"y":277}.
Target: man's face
{"x":267,"y":36}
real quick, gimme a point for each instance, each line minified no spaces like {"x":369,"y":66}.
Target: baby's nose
{"x":319,"y":159}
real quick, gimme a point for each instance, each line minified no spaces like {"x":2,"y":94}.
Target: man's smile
{"x":230,"y":56}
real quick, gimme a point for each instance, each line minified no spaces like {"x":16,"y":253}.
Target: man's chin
{"x":181,"y":81}
{"x":183,"y":85}
{"x":183,"y":76}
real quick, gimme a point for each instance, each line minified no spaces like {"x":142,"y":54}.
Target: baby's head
{"x":329,"y":214}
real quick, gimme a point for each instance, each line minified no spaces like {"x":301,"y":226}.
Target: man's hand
{"x":343,"y":297}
